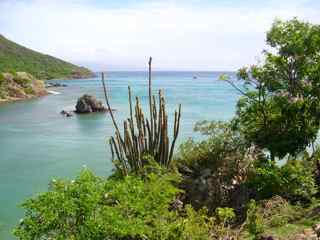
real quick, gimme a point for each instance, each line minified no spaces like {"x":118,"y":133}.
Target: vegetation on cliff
{"x":16,"y":58}
{"x":19,"y":86}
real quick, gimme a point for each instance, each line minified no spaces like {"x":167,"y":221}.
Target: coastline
{"x":4,"y":101}
{"x":14,"y":99}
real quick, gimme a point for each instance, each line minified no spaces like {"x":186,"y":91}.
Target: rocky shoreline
{"x":20,"y":86}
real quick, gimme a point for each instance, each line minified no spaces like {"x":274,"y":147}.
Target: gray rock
{"x":89,"y":104}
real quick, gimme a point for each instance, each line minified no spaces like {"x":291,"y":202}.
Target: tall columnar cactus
{"x":142,"y":136}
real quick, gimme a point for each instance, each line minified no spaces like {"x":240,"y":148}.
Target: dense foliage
{"x":280,"y":107}
{"x":16,"y":58}
{"x":293,"y":181}
{"x":91,"y":207}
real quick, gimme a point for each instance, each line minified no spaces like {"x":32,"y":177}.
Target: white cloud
{"x":178,"y":36}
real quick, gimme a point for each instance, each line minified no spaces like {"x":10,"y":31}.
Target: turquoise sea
{"x":38,"y":144}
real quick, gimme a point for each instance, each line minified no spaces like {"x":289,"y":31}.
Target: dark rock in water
{"x":66,"y":113}
{"x":55,"y":84}
{"x":89,"y":104}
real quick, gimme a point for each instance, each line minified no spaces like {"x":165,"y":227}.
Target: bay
{"x":38,"y":144}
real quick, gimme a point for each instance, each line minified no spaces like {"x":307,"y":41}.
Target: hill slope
{"x":16,"y":58}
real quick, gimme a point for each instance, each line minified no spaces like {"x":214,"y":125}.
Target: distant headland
{"x":17,"y":58}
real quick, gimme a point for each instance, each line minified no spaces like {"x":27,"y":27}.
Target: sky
{"x":207,"y":35}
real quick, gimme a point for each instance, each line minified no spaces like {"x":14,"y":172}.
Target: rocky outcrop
{"x":20,"y":86}
{"x":89,"y":104}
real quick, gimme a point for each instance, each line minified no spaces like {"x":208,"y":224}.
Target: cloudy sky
{"x":121,"y":34}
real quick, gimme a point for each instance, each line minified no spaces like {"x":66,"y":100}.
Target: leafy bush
{"x":225,"y":215}
{"x":196,"y":225}
{"x":293,"y":181}
{"x":298,"y":181}
{"x":91,"y":207}
{"x":254,"y":221}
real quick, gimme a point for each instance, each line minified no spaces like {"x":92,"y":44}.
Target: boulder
{"x":89,"y":104}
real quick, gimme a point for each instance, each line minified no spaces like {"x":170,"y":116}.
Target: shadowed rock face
{"x":89,"y":104}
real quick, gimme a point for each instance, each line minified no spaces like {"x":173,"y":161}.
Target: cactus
{"x":142,"y":136}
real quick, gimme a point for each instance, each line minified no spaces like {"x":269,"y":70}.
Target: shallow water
{"x":38,"y":144}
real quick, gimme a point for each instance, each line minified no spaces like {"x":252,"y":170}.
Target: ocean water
{"x":38,"y":144}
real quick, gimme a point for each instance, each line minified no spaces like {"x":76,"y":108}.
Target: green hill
{"x":16,"y":58}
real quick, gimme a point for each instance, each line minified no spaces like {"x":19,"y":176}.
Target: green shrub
{"x":197,"y":224}
{"x":265,"y":180}
{"x":293,"y":181}
{"x":254,"y":221}
{"x":126,"y":208}
{"x":298,"y":181}
{"x":225,"y":215}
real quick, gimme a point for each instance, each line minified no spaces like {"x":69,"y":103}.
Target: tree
{"x":280,"y":107}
